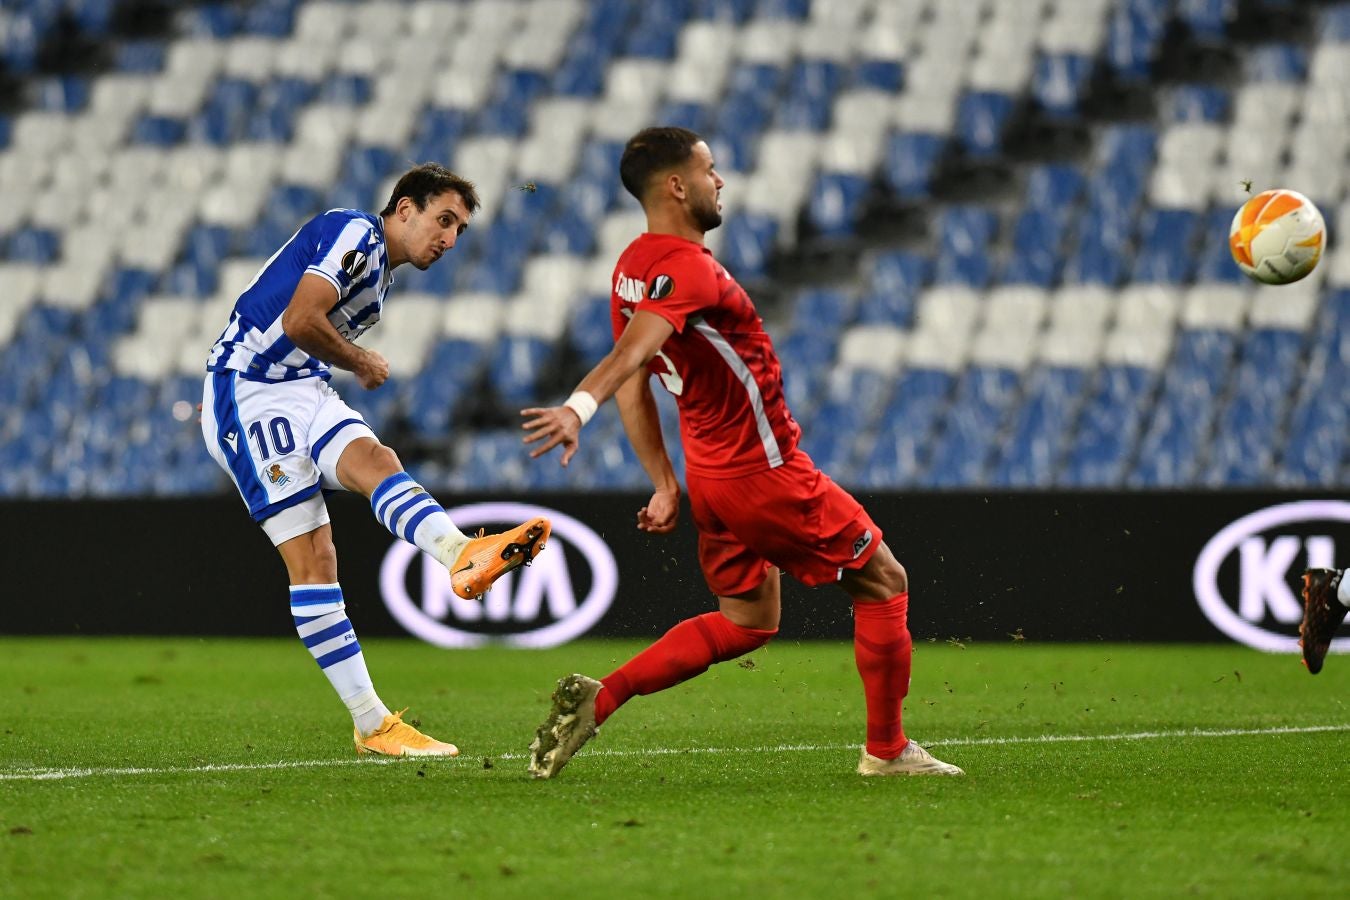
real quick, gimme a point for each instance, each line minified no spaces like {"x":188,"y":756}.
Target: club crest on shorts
{"x":862,"y":543}
{"x":354,"y":263}
{"x":662,"y":286}
{"x":276,"y":476}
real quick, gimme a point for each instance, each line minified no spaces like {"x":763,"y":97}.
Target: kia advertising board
{"x":1253,"y":601}
{"x":1220,"y":566}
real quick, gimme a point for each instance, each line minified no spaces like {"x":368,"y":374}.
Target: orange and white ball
{"x":1277,"y":237}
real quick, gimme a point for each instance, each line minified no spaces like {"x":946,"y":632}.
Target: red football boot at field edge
{"x":1323,"y":613}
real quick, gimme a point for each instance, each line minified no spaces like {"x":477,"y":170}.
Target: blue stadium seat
{"x":61,"y":94}
{"x":1262,"y":385}
{"x":158,"y":131}
{"x":880,"y":74}
{"x":507,"y":112}
{"x":1133,"y":37}
{"x":1334,"y":26}
{"x":514,"y":367}
{"x":837,"y":203}
{"x":494,"y":457}
{"x":1184,"y":413}
{"x":1129,"y":148}
{"x":911,"y":160}
{"x":432,"y":396}
{"x":225,"y":114}
{"x":1215,"y":259}
{"x":1040,"y":429}
{"x":188,"y":280}
{"x":970,"y":427}
{"x":1060,"y":81}
{"x":582,"y":73}
{"x":748,"y":244}
{"x":1198,"y":103}
{"x":270,"y":18}
{"x":39,"y":246}
{"x":1275,"y":62}
{"x":1319,"y":439}
{"x":783,"y":9}
{"x":1103,"y":443}
{"x":437,"y":131}
{"x":964,"y":234}
{"x":1207,"y":20}
{"x":1036,"y":256}
{"x":742,"y":115}
{"x":567,"y":231}
{"x":900,"y":270}
{"x":654,"y":35}
{"x":901,"y":449}
{"x":809,"y":348}
{"x":822,"y":310}
{"x":346,"y":89}
{"x":1166,"y":251}
{"x":981,"y":117}
{"x":724,"y":10}
{"x":211,"y":20}
{"x":1054,"y":188}
{"x":693,"y":116}
{"x":832,"y":439}
{"x":279,"y":101}
{"x":896,"y":308}
{"x":591,"y":331}
{"x":804,"y":387}
{"x":809,"y":97}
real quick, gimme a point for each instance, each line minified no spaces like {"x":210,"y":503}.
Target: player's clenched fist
{"x":661,"y":513}
{"x":554,"y":426}
{"x":374,"y":370}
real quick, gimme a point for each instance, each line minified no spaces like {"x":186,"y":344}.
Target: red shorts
{"x":794,"y":517}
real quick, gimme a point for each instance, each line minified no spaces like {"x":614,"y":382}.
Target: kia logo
{"x":1265,"y":548}
{"x":533,"y":606}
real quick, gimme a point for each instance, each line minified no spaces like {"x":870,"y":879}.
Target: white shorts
{"x":280,"y":443}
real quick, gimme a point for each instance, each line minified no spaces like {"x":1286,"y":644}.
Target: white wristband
{"x":583,"y":404}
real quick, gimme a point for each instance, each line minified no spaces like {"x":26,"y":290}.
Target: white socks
{"x":321,"y":622}
{"x":410,"y":513}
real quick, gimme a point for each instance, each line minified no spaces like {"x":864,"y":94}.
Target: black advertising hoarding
{"x":1051,"y":567}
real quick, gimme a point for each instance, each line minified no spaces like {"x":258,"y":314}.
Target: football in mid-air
{"x":1277,"y":237}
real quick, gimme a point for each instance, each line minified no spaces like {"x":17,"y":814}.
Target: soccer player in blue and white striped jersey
{"x":271,"y":421}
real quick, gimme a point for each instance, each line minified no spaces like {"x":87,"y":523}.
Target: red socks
{"x":682,"y":652}
{"x":881,"y":647}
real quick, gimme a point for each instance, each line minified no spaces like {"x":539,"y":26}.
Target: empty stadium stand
{"x":988,"y":236}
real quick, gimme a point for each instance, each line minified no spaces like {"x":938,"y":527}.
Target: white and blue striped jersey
{"x":344,"y":246}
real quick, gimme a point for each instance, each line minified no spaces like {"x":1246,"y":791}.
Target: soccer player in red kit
{"x":759,"y":503}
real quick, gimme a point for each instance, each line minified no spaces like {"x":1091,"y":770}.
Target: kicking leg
{"x":367,"y":467}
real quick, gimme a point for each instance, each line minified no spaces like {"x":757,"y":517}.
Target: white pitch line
{"x":60,"y":774}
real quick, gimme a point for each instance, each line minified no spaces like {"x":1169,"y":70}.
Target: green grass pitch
{"x":214,"y":768}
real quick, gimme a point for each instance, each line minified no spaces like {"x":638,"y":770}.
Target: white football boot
{"x":913,"y":760}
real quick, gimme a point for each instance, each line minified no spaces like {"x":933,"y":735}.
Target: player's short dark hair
{"x":421,"y":183}
{"x":654,"y":150}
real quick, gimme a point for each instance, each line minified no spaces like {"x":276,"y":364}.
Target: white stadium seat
{"x":880,"y":348}
{"x":1218,"y":306}
{"x":473,"y":317}
{"x":251,"y":58}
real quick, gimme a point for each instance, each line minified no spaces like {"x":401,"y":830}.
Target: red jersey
{"x":719,"y":363}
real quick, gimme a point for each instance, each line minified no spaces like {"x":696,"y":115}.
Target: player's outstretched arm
{"x":642,"y":424}
{"x":553,"y":426}
{"x":305,"y":322}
